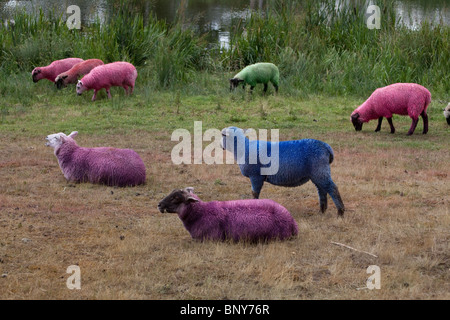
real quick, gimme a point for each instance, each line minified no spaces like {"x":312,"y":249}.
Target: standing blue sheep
{"x":296,"y":161}
{"x":262,"y":72}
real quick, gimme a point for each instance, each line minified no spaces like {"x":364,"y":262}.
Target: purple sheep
{"x":399,"y":98}
{"x":119,"y":74}
{"x":51,"y":71}
{"x":252,"y":220}
{"x":110,"y":166}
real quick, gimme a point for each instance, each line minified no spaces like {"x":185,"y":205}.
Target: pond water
{"x":215,"y":16}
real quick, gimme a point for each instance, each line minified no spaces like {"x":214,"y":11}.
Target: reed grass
{"x":320,"y":47}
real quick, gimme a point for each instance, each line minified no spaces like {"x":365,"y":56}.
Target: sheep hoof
{"x":341,"y":213}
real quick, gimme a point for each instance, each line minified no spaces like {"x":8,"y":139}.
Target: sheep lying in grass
{"x":110,"y":166}
{"x":447,"y":113}
{"x":298,"y":161}
{"x":51,"y":71}
{"x":121,"y":74}
{"x":257,"y":73}
{"x":248,"y":220}
{"x":400,"y":98}
{"x":78,"y":70}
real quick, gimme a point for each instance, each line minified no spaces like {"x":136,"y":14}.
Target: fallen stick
{"x":346,"y":246}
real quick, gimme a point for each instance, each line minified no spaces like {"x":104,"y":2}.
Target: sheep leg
{"x":126,"y":89}
{"x":265,"y":88}
{"x":380,"y":120}
{"x":257,"y":184}
{"x":95,"y":95}
{"x":425,"y":121}
{"x":391,"y":124}
{"x":108,"y":92}
{"x":322,"y":199}
{"x":413,"y":126}
{"x":251,"y":89}
{"x":276,"y":88}
{"x":330,"y":187}
{"x":336,"y":196}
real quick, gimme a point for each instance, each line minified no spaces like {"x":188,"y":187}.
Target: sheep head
{"x":80,"y":88}
{"x":237,"y":135}
{"x":36,"y":74}
{"x":447,"y":113}
{"x":59,"y":81}
{"x":357,"y":123}
{"x":175,"y":199}
{"x":234,"y":82}
{"x":57,"y":139}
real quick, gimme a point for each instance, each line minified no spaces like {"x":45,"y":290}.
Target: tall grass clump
{"x":326,"y":47}
{"x":321,"y":47}
{"x":173,"y":51}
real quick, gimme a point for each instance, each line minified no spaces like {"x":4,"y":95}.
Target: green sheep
{"x":257,"y":73}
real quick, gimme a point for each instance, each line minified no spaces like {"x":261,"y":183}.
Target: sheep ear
{"x":225,"y":132}
{"x":191,"y":199}
{"x":64,"y":77}
{"x":355,"y":116}
{"x":73,"y":134}
{"x":189,"y":189}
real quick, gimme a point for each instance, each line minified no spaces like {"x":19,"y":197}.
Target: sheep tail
{"x":330,"y":151}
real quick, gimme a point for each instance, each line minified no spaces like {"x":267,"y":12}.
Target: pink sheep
{"x":110,"y":166}
{"x":80,"y":69}
{"x":400,"y":98}
{"x":51,"y":71}
{"x":122,"y":74}
{"x":252,"y":220}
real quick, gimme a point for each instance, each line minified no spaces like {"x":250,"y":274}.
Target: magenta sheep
{"x":80,"y":69}
{"x":51,"y":71}
{"x":400,"y":98}
{"x":249,"y":220}
{"x":110,"y":166}
{"x":121,"y":74}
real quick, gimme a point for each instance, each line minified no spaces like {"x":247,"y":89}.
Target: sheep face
{"x":80,"y":88}
{"x":59,"y":82}
{"x":357,"y":123}
{"x":175,"y":199}
{"x":447,"y":113}
{"x":234,"y":83}
{"x":228,"y":134}
{"x":36,"y":74}
{"x":57,"y":139}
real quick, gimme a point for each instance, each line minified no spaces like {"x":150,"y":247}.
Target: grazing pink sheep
{"x":51,"y":71}
{"x":400,"y":98}
{"x":110,"y":166}
{"x":121,"y":74}
{"x":78,"y":70}
{"x":251,"y":220}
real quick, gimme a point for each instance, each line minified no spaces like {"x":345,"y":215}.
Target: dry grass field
{"x":396,"y":195}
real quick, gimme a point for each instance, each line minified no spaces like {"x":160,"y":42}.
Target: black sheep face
{"x":59,"y":83}
{"x":357,"y":123}
{"x":234,"y":83}
{"x":177,"y":197}
{"x":35,"y":74}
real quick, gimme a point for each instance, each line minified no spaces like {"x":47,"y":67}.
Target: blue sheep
{"x":298,"y":161}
